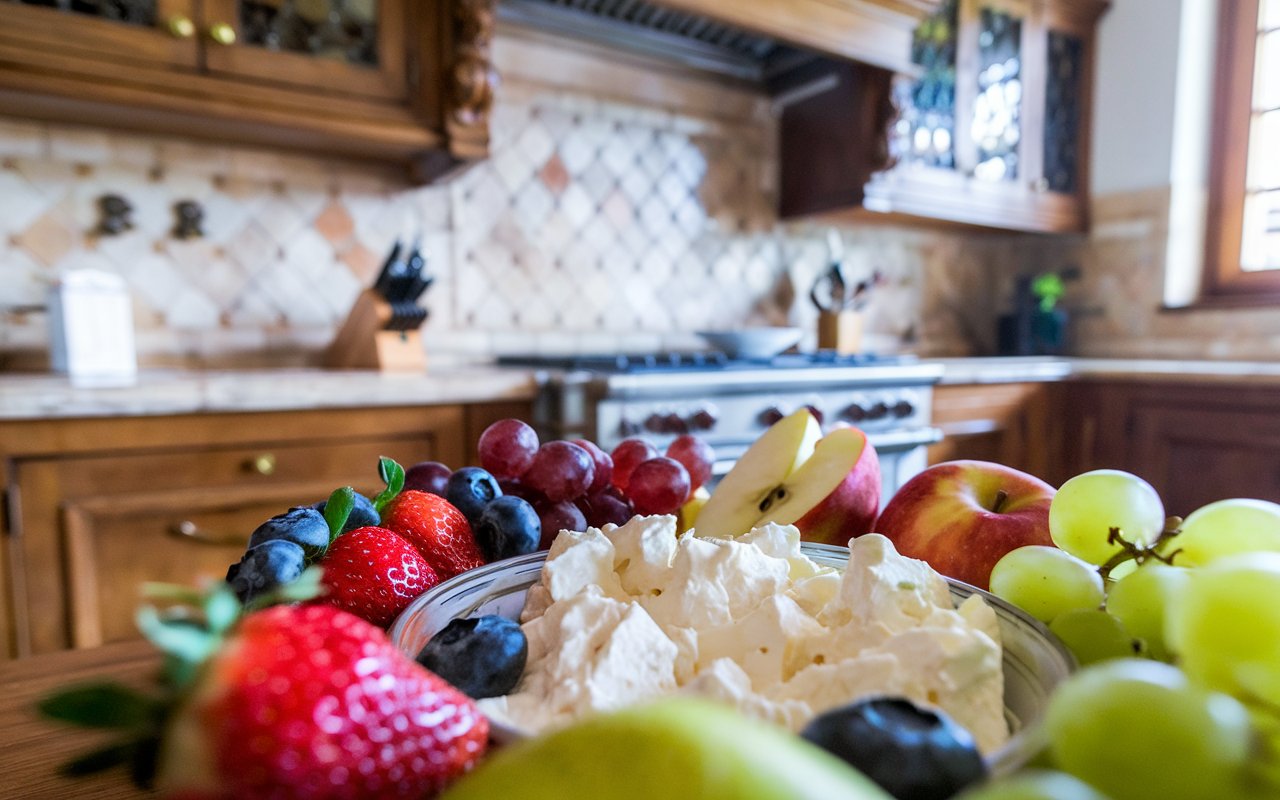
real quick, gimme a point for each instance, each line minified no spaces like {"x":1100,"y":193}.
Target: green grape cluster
{"x":1199,"y":716}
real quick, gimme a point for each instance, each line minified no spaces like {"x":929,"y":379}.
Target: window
{"x":1243,"y":259}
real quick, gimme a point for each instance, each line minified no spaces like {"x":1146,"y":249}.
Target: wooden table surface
{"x":31,"y":748}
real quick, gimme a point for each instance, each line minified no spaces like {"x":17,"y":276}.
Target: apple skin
{"x":849,"y":509}
{"x":944,"y":516}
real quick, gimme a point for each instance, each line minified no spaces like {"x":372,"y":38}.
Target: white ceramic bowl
{"x":1035,"y":662}
{"x":752,"y":343}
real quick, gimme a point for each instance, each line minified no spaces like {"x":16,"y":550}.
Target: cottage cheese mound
{"x":626,"y":614}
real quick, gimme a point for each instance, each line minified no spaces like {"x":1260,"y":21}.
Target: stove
{"x":730,"y":402}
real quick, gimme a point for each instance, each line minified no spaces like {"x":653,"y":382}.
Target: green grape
{"x":1045,"y":581}
{"x":1140,"y":730}
{"x":1225,"y":626}
{"x":1225,"y":528}
{"x":1122,"y":569}
{"x":1088,"y":506}
{"x":1034,"y":785}
{"x":1139,"y":601}
{"x":1093,"y":635}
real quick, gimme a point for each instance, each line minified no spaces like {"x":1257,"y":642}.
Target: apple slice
{"x":735,"y":504}
{"x":834,"y":496}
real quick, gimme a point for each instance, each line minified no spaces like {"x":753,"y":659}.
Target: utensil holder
{"x":840,"y":331}
{"x":365,"y":343}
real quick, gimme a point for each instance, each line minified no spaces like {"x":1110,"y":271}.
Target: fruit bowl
{"x":1034,"y":661}
{"x":752,"y":343}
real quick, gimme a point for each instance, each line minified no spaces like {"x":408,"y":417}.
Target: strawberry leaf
{"x":102,"y":759}
{"x":180,"y":638}
{"x":337,"y":509}
{"x":393,"y":475}
{"x":101,"y":705}
{"x":221,"y":609}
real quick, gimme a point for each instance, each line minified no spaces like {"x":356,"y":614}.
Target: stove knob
{"x":674,"y":423}
{"x":816,"y":412}
{"x":655,"y":423}
{"x":770,"y":415}
{"x":878,"y":411}
{"x":704,"y":419}
{"x":627,"y":428}
{"x":855,"y":413}
{"x":903,"y":408}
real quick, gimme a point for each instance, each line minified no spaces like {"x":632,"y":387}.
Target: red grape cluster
{"x":573,"y":484}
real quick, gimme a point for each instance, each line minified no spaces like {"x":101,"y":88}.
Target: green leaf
{"x":337,"y":509}
{"x":393,"y":475}
{"x":174,"y":592}
{"x":101,"y":705}
{"x":221,"y":609}
{"x":101,"y":759}
{"x":179,"y":638}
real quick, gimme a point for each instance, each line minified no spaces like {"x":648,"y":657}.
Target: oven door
{"x":902,"y":454}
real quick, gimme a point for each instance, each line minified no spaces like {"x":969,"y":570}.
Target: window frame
{"x":1224,"y":282}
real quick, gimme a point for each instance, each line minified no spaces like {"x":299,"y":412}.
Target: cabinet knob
{"x":264,"y":464}
{"x":180,"y":27}
{"x":222,"y":33}
{"x":1040,"y":184}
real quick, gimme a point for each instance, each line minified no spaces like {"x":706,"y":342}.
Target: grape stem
{"x":1134,"y":552}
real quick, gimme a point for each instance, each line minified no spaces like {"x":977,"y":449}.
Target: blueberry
{"x":302,"y":525}
{"x":470,"y":489}
{"x":362,"y":515}
{"x":912,"y":753}
{"x":481,"y":656}
{"x":273,"y":563}
{"x":507,"y":527}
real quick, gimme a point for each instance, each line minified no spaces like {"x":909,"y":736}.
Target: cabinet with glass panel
{"x":382,"y":79}
{"x":991,"y":131}
{"x":994,"y":131}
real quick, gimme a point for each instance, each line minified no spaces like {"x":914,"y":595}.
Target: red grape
{"x":697,"y":457}
{"x":659,"y":486}
{"x":603,"y":466}
{"x":605,"y":507}
{"x":627,"y":455}
{"x":516,"y":487}
{"x":507,"y":448}
{"x":427,"y":476}
{"x":556,"y":517}
{"x":560,"y":470}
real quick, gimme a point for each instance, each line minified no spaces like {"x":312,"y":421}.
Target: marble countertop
{"x":42,"y":396}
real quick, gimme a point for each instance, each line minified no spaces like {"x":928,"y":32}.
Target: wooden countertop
{"x":34,"y":747}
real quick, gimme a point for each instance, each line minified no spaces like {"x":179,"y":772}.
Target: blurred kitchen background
{"x":626,"y":202}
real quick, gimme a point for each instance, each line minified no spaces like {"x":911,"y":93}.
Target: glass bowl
{"x":1035,"y":662}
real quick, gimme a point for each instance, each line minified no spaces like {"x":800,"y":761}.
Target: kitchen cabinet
{"x":391,"y":80}
{"x":993,"y":132}
{"x":1015,"y":424}
{"x":95,"y":507}
{"x":1195,"y":442}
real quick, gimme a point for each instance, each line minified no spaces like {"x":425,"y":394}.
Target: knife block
{"x":840,"y":331}
{"x":364,"y":342}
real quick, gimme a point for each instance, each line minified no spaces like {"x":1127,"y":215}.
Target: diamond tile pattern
{"x":594,"y":226}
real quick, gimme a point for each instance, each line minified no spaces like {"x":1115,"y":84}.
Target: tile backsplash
{"x":599,"y":223}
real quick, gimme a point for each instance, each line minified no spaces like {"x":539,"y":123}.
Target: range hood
{"x":754,"y":40}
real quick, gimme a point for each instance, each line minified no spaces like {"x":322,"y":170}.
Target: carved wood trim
{"x":473,"y":79}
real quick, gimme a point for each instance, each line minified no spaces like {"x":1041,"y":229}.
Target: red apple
{"x":834,"y":495}
{"x":963,"y":516}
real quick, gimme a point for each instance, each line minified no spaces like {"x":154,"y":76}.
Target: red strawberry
{"x":374,"y":574}
{"x":439,"y":531}
{"x":311,"y":702}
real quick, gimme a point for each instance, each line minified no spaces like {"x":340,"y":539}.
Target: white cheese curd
{"x":630,"y":613}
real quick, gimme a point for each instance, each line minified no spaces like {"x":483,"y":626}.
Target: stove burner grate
{"x":695,"y":361}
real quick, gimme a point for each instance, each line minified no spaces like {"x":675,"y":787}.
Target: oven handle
{"x":883,"y":442}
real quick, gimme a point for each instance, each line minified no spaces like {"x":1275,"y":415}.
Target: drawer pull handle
{"x":189,"y":530}
{"x":264,"y":464}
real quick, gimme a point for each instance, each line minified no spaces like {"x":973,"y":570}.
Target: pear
{"x":677,"y":747}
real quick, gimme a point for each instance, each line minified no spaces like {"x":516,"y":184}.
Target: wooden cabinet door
{"x":1010,"y":423}
{"x":136,"y":32}
{"x":351,"y":47}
